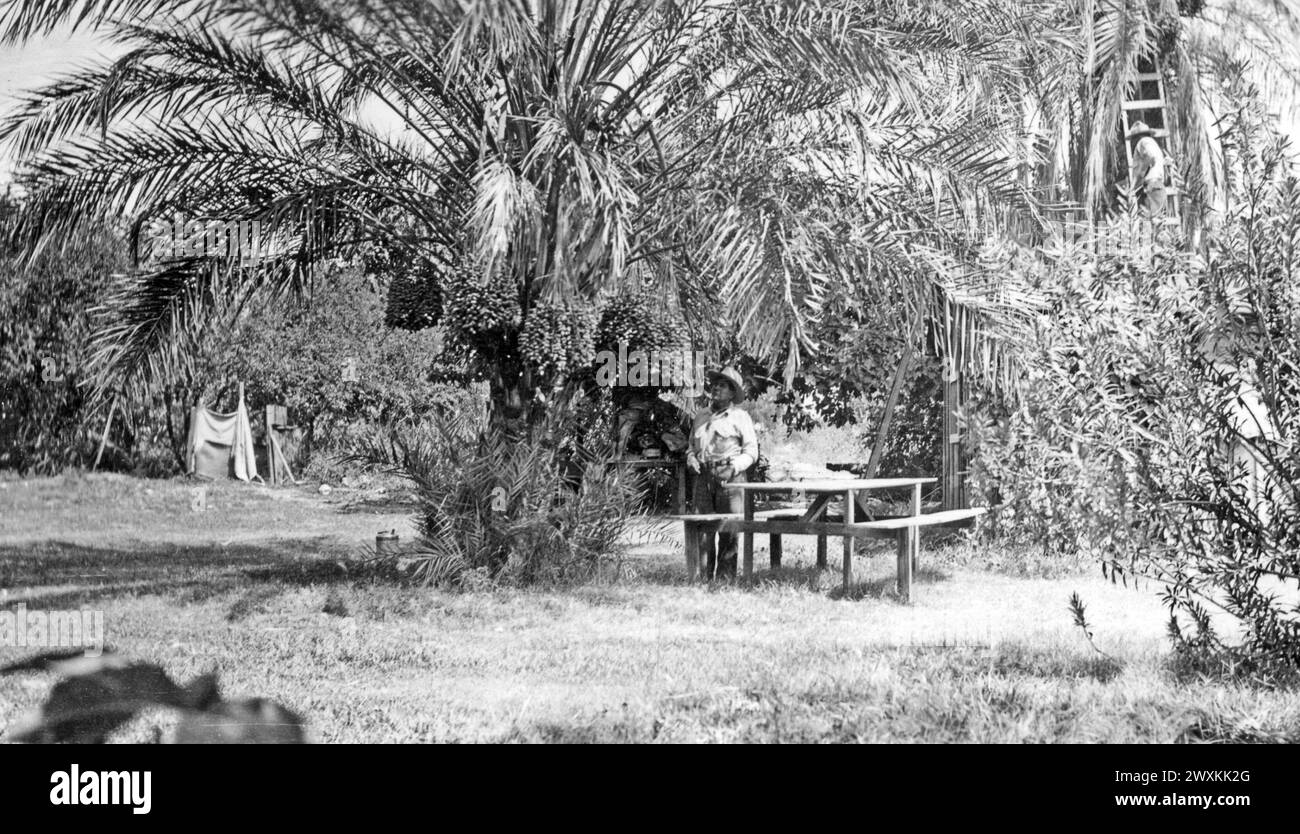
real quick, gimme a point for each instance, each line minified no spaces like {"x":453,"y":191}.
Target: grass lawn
{"x":243,"y":587}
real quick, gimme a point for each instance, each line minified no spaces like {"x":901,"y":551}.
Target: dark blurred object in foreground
{"x":100,"y":694}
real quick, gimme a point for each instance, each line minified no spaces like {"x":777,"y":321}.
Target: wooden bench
{"x":788,"y":512}
{"x":695,"y":527}
{"x":711,"y":523}
{"x":905,"y":530}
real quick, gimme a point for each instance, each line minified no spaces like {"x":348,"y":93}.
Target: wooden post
{"x":103,"y":439}
{"x":284,"y":460}
{"x":775,"y":544}
{"x":950,"y":477}
{"x":849,"y":509}
{"x":749,"y":538}
{"x":891,"y":404}
{"x":905,"y":538}
{"x":269,"y":413}
{"x":916,"y":510}
{"x":190,"y":462}
{"x":692,"y":552}
{"x":821,"y":552}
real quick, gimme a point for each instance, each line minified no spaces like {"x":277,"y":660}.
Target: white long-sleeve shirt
{"x":724,"y":436}
{"x":1148,"y":162}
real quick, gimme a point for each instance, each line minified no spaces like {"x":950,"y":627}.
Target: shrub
{"x":542,"y":507}
{"x":329,"y":357}
{"x":45,"y":308}
{"x":912,"y":446}
{"x":1160,"y":405}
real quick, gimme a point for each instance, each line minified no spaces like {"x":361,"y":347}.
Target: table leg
{"x":906,"y":536}
{"x":817,"y":508}
{"x":916,"y":544}
{"x":849,"y":508}
{"x":692,"y":552}
{"x":681,"y":489}
{"x":775,"y":544}
{"x":749,"y":538}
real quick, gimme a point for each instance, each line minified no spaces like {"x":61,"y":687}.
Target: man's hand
{"x":693,"y":464}
{"x":725,"y":472}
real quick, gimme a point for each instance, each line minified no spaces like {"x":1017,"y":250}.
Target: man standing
{"x":1148,"y":170}
{"x":723,"y":446}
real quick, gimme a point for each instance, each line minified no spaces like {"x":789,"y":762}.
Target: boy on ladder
{"x":1148,"y":171}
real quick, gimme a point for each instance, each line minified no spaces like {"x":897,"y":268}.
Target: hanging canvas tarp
{"x":221,"y":445}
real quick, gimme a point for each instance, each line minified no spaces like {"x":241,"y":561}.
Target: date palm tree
{"x":750,"y":158}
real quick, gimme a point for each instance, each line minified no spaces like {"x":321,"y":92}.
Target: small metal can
{"x":386,"y":543}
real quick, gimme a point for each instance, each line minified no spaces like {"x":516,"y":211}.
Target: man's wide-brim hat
{"x":732,"y":376}
{"x":1139,"y":129}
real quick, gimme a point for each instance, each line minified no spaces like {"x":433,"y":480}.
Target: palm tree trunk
{"x":177,"y":451}
{"x":512,"y":406}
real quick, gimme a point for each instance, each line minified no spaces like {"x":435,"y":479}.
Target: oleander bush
{"x":1159,"y":410}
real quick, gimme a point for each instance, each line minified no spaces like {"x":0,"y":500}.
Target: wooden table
{"x":814,"y":519}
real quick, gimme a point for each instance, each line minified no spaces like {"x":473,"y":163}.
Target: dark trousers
{"x":711,"y":497}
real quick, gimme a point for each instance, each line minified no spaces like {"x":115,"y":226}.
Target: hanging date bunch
{"x":479,"y":306}
{"x":414,"y":292}
{"x":1168,"y":25}
{"x":642,"y":320}
{"x":559,"y":336}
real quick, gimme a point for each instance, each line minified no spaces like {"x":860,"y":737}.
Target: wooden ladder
{"x":1144,"y":106}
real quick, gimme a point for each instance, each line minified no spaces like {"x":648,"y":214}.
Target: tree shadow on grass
{"x":330,"y":572}
{"x":799,"y":576}
{"x":380,"y":505}
{"x":56,"y":574}
{"x":885,"y":587}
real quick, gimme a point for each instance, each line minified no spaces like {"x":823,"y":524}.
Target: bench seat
{"x":938,"y":519}
{"x":762,"y":515}
{"x":790,"y":512}
{"x":905,"y":530}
